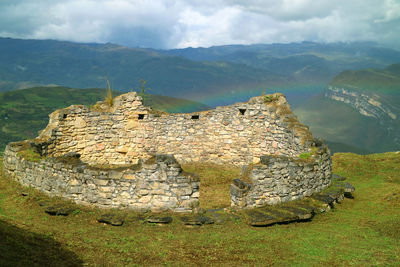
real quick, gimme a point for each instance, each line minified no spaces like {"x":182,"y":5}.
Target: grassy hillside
{"x":374,"y":80}
{"x":343,"y":126}
{"x":364,"y":231}
{"x":337,"y":147}
{"x":24,"y":112}
{"x":372,"y":91}
{"x":385,"y":83}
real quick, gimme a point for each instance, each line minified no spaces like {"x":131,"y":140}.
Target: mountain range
{"x":306,"y":62}
{"x":214,"y":76}
{"x":347,"y":92}
{"x":27,"y":63}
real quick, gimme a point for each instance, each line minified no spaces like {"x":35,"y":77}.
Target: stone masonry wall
{"x":121,"y":155}
{"x":278,"y":179}
{"x":158,"y":184}
{"x":238,"y":134}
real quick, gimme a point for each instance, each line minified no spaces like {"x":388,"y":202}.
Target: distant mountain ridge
{"x":43,"y":62}
{"x":215,"y":76}
{"x":307,"y":61}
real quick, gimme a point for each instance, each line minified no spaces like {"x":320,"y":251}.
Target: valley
{"x":358,"y":108}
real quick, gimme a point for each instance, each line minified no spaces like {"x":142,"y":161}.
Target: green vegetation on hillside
{"x":344,"y":127}
{"x":372,"y":91}
{"x":363,"y":231}
{"x":24,"y":112}
{"x":383,"y":81}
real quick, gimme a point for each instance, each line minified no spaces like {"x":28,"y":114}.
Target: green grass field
{"x":364,"y":231}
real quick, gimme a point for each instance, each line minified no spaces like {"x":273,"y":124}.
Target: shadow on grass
{"x":19,"y":247}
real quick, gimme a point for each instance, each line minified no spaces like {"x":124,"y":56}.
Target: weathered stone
{"x":111,"y":219}
{"x":129,"y":177}
{"x":280,"y":179}
{"x":240,"y":184}
{"x":323,"y":198}
{"x":308,"y":208}
{"x":346,"y":187}
{"x":196,"y":220}
{"x":301,"y":214}
{"x":258,"y":218}
{"x":159,"y":219}
{"x":335,"y":193}
{"x":60,"y":210}
{"x":115,"y":174}
{"x":100,"y":182}
{"x":281,"y":216}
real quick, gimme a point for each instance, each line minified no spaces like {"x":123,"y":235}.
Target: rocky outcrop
{"x":373,"y":106}
{"x":367,"y":104}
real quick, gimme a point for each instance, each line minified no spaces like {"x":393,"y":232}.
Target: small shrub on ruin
{"x":109,"y":100}
{"x":270,"y":98}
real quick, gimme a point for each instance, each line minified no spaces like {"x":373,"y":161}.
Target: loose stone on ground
{"x":111,"y":219}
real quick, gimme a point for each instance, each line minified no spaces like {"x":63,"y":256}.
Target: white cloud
{"x":168,"y":24}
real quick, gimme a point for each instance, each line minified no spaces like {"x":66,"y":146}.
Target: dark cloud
{"x":169,"y":24}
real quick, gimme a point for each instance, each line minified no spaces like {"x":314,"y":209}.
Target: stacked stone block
{"x":278,"y":179}
{"x":157,"y":184}
{"x":238,"y":134}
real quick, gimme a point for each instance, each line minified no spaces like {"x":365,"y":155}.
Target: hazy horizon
{"x":180,"y":24}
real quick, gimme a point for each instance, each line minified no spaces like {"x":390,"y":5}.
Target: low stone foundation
{"x":157,"y":184}
{"x":278,"y":179}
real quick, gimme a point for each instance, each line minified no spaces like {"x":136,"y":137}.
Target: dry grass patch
{"x":215,"y":183}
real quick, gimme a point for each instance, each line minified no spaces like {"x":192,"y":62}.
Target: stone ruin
{"x":128,"y":155}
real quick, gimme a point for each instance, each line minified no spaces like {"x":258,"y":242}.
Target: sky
{"x":166,"y":24}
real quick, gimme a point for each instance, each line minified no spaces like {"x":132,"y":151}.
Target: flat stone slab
{"x":336,"y":194}
{"x":111,"y":219}
{"x":325,"y":198}
{"x":159,"y":219}
{"x":346,"y":187}
{"x":258,"y":218}
{"x":218,"y":216}
{"x":301,"y":214}
{"x":196,"y":220}
{"x":59,"y":210}
{"x":281,"y":216}
{"x":308,"y":208}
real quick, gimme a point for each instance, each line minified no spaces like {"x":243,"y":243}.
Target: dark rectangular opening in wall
{"x":195,"y":117}
{"x":242,"y":110}
{"x":141,"y":117}
{"x":65,"y":116}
